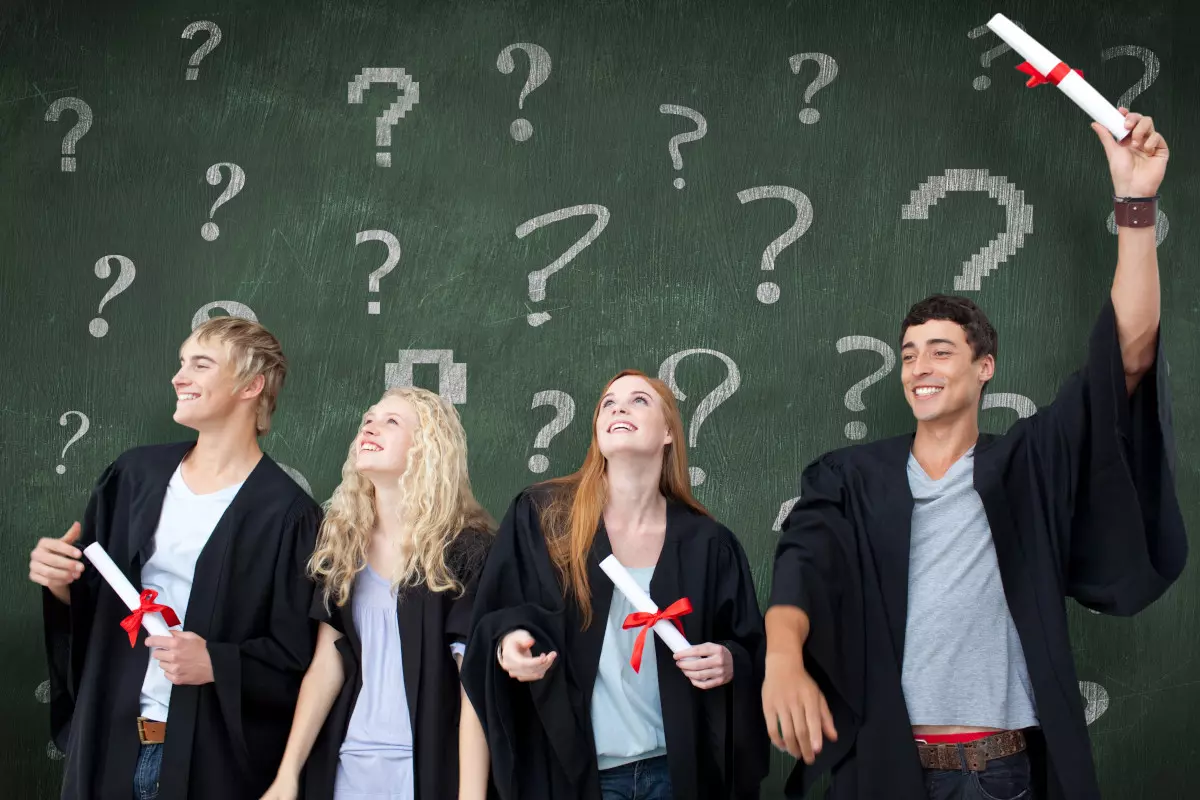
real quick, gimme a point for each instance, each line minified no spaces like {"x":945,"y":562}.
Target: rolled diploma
{"x":154,"y":624}
{"x":665,"y":629}
{"x":1073,"y":85}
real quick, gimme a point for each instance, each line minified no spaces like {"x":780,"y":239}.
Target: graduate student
{"x":222,"y":535}
{"x":917,"y":639}
{"x":399,"y":551}
{"x":577,"y":697}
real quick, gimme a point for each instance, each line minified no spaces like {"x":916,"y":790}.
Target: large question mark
{"x":1018,"y":217}
{"x":564,"y":413}
{"x":84,"y":112}
{"x":232,"y":308}
{"x":724,"y":390}
{"x":538,"y":278}
{"x":98,"y":327}
{"x":680,"y":138}
{"x":857,"y":429}
{"x":983,"y":81}
{"x":828,"y":70}
{"x":539,"y":72}
{"x":410,"y":95}
{"x":768,"y":292}
{"x":1148,"y":59}
{"x":210,"y":44}
{"x":393,"y":258}
{"x":1017,"y":402}
{"x":237,"y":180}
{"x":83,"y":428}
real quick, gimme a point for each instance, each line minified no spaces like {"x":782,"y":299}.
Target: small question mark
{"x":538,"y":278}
{"x":232,"y":308}
{"x":724,"y":390}
{"x":680,"y":138}
{"x":98,"y":327}
{"x":828,"y":71}
{"x":564,"y":413}
{"x":1017,"y":402}
{"x":539,"y":72}
{"x":210,"y":44}
{"x":769,"y":292}
{"x":237,"y":180}
{"x":1095,"y":696}
{"x":1018,"y":217}
{"x":84,"y":112}
{"x":858,"y":429}
{"x":83,"y":428}
{"x":410,"y":95}
{"x":785,"y":508}
{"x":983,"y":81}
{"x":393,"y":246}
{"x":1148,"y":59}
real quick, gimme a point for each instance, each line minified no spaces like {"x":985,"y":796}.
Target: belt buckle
{"x":141,"y":722}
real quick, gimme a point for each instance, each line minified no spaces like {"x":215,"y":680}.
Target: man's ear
{"x":254,"y":388}
{"x":987,"y":368}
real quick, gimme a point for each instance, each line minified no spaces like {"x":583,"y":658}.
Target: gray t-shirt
{"x":963,"y":662}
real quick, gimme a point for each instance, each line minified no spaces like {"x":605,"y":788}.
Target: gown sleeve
{"x":1109,"y":460}
{"x":470,"y":552}
{"x":68,"y":627}
{"x":252,"y":669}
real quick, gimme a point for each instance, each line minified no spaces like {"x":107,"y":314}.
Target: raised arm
{"x":1137,"y":165}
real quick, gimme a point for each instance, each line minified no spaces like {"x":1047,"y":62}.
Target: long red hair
{"x":571,"y":517}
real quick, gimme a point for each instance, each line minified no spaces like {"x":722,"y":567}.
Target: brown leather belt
{"x":976,"y":753}
{"x":151,"y":732}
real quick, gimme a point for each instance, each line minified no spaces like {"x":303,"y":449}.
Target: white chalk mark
{"x":723,"y":391}
{"x":84,"y":113}
{"x":564,"y":413}
{"x":452,"y":377}
{"x":210,"y":44}
{"x":538,"y":278}
{"x":857,"y":429}
{"x":769,"y":292}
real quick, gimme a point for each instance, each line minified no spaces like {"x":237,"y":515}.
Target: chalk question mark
{"x":231,"y":308}
{"x":785,"y":508}
{"x":724,"y":390}
{"x":1095,"y":697}
{"x":538,"y":278}
{"x":83,"y":428}
{"x":983,"y":81}
{"x":768,"y":292}
{"x":1151,"y":72}
{"x":410,"y":95}
{"x":98,"y":327}
{"x":680,"y":138}
{"x":1018,"y":217}
{"x":295,"y":475}
{"x":1017,"y":402}
{"x":539,"y":71}
{"x":393,"y":258}
{"x":858,"y":429}
{"x":84,"y":112}
{"x":828,"y":70}
{"x":237,"y":180}
{"x":564,"y":413}
{"x":210,"y":44}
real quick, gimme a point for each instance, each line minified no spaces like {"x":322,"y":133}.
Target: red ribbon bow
{"x":148,"y":606}
{"x":640,"y":619}
{"x":1055,"y":75}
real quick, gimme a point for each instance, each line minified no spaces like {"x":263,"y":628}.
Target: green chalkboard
{"x":891,"y":176}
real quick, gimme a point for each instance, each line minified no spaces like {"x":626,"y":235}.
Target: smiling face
{"x":631,"y":419}
{"x":942,"y":378}
{"x":385,"y":437}
{"x":206,"y":386}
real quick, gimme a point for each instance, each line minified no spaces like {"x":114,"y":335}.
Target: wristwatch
{"x":1135,"y":212}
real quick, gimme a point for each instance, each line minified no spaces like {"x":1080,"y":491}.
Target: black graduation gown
{"x":540,"y":733}
{"x":1081,"y":501}
{"x":249,"y":600}
{"x":429,"y":623}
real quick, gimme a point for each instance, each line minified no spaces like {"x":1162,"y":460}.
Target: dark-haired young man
{"x":917,"y":641}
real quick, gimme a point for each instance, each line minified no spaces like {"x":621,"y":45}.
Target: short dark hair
{"x":980,"y":333}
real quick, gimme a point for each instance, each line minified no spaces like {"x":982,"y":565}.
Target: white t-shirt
{"x":187,"y":520}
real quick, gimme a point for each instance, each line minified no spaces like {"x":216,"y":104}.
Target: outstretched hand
{"x":1138,"y":162}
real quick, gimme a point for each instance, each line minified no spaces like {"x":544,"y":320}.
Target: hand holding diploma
{"x":183,"y":656}
{"x":1137,"y":162}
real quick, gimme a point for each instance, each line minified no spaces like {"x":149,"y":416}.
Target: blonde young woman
{"x":381,"y":714}
{"x":573,"y":706}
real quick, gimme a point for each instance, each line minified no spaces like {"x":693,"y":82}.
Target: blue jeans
{"x":145,"y":776}
{"x":649,"y":779}
{"x":1005,"y":778}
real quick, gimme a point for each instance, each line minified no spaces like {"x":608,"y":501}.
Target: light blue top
{"x":627,"y":718}
{"x":963,"y":661}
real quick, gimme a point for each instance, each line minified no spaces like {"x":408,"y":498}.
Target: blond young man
{"x":222,"y":535}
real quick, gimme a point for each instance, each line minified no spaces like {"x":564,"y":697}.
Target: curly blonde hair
{"x":438,"y":507}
